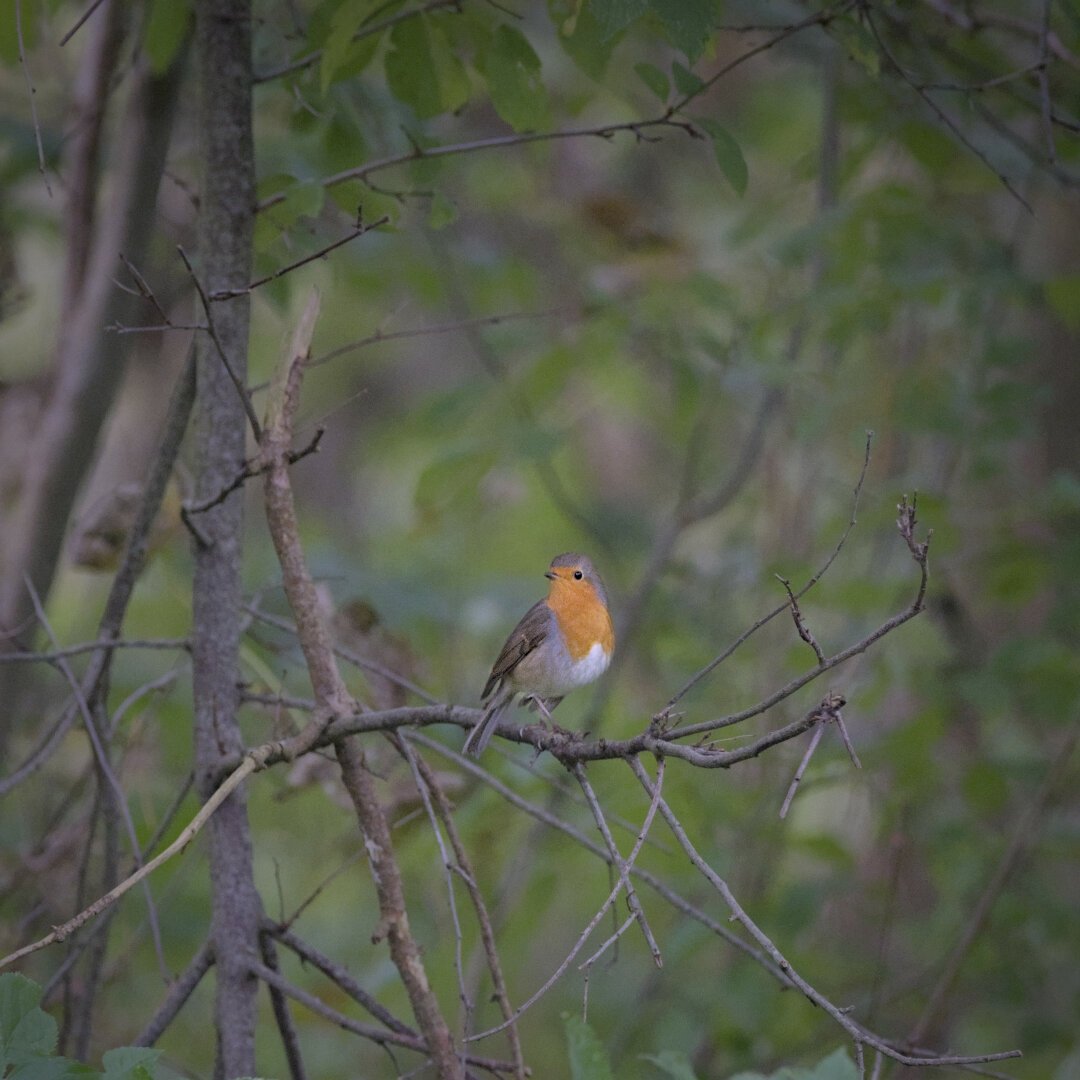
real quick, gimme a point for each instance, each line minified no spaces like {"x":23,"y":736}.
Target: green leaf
{"x":686,"y":82}
{"x":422,"y":72}
{"x":166,"y":29}
{"x":729,"y":155}
{"x":588,"y":1057}
{"x":582,"y":37}
{"x":25,"y":1030}
{"x":858,"y":42}
{"x":512,"y":70}
{"x":837,"y":1066}
{"x":301,"y":200}
{"x":343,"y":57}
{"x":672,"y":1063}
{"x":130,"y":1063}
{"x":654,"y":79}
{"x":443,"y":212}
{"x":687,"y":23}
{"x":54,"y":1068}
{"x":614,"y":16}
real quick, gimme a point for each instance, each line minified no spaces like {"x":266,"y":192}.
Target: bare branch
{"x":487,"y":933}
{"x":713,"y":664}
{"x":182,"y":988}
{"x":282,"y":1017}
{"x":941,"y":114}
{"x":333,"y":697}
{"x":65,"y":930}
{"x":93,"y":646}
{"x":359,"y":230}
{"x":340,"y":976}
{"x":632,"y":900}
{"x":32,"y":93}
{"x":625,"y":869}
{"x":101,"y":755}
{"x":211,"y":329}
{"x":852,"y":1027}
{"x":251,"y":470}
{"x":546,"y":817}
{"x":367,"y":1031}
{"x":811,"y":746}
{"x":94,"y":5}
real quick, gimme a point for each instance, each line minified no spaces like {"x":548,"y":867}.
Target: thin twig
{"x":249,"y":409}
{"x":851,"y":1026}
{"x":359,"y":230}
{"x":811,"y":746}
{"x":337,"y":974}
{"x":94,"y":646}
{"x":104,"y":765}
{"x":821,"y":18}
{"x":800,"y":623}
{"x":349,"y":656}
{"x":941,"y":114}
{"x":60,"y":933}
{"x":625,"y":869}
{"x":552,"y":821}
{"x":95,"y":4}
{"x":715,"y":663}
{"x":32,"y":93}
{"x":367,"y":1031}
{"x":424,"y":789}
{"x":250,"y":470}
{"x":632,"y":900}
{"x":442,"y":328}
{"x":144,"y":290}
{"x":182,"y":989}
{"x":282,"y":1016}
{"x":464,"y":868}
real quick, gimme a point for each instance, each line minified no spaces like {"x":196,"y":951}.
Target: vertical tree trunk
{"x":223,"y":44}
{"x":89,"y":356}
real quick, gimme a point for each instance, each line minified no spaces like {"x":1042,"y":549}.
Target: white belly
{"x":561,"y":673}
{"x":590,"y":667}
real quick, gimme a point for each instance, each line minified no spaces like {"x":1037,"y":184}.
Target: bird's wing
{"x":535,"y":626}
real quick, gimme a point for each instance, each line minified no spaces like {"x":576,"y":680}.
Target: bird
{"x":562,"y":642}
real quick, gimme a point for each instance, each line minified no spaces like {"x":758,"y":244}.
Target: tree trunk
{"x":223,"y":44}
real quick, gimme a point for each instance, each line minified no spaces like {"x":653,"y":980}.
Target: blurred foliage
{"x":826,"y":237}
{"x":28,"y":1037}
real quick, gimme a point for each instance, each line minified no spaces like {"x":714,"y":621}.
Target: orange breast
{"x":583,"y":620}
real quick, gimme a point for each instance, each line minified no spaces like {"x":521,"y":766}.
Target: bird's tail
{"x":480,"y":735}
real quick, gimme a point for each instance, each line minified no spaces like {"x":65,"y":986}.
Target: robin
{"x":562,"y":642}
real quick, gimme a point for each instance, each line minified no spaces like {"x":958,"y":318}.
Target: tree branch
{"x":852,"y":1027}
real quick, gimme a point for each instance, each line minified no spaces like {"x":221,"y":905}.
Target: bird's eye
{"x":578,"y":575}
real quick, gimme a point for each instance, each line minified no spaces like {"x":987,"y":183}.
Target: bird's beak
{"x":550,"y":575}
